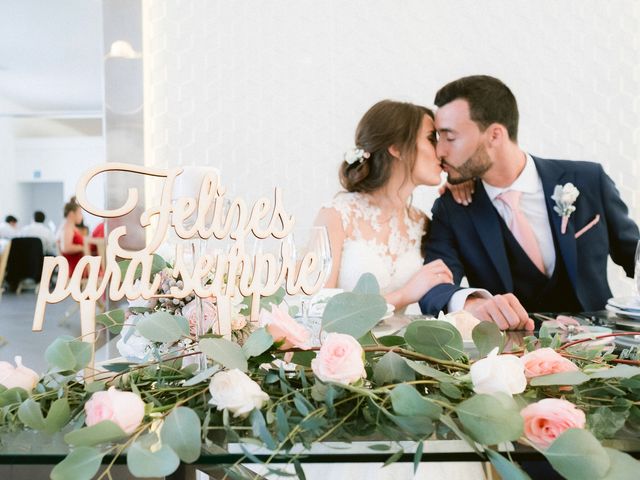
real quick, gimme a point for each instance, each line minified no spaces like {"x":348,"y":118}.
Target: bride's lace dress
{"x":386,"y":246}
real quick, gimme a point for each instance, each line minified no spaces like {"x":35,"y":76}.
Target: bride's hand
{"x":462,"y":192}
{"x":430,"y":275}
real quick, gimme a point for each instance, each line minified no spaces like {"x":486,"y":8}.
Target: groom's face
{"x":461,"y":147}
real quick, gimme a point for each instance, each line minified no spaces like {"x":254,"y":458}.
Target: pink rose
{"x":282,"y":327}
{"x":18,"y":376}
{"x":546,"y":361}
{"x":340,"y":360}
{"x":209,"y":315}
{"x":125,"y":409}
{"x":545,"y":420}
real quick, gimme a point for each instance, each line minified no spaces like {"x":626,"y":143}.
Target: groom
{"x":518,"y":252}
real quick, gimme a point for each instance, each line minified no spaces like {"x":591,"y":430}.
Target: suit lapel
{"x":551,"y":175}
{"x":486,"y":221}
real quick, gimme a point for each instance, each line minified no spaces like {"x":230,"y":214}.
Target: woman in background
{"x":70,"y":241}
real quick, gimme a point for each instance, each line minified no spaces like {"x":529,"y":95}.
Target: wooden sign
{"x":194,"y":207}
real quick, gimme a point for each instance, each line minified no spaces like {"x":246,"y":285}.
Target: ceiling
{"x":51,"y":57}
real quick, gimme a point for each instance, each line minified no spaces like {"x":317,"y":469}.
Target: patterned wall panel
{"x":270,"y":92}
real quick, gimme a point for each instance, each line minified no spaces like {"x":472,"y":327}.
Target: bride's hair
{"x":387,"y":123}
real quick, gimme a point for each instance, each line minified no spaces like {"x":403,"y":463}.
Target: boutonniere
{"x":565,"y":196}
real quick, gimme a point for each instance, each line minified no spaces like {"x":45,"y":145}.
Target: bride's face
{"x":427,"y":169}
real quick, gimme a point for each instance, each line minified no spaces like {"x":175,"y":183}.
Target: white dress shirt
{"x":534,"y":208}
{"x":41,"y":231}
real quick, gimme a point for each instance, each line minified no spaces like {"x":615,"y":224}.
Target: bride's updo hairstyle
{"x":385,"y":124}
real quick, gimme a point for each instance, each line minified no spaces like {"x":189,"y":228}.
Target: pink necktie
{"x":521,"y":228}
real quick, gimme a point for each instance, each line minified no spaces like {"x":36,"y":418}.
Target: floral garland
{"x":279,"y":390}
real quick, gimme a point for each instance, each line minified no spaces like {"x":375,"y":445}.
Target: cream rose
{"x":18,"y":376}
{"x":125,"y":409}
{"x":545,"y":420}
{"x":498,"y":373}
{"x":546,"y":361}
{"x":235,"y":391}
{"x":340,"y":360}
{"x":285,"y":329}
{"x":209,"y":314}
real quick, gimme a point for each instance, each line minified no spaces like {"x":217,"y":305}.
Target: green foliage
{"x":604,"y":422}
{"x":353,"y":313}
{"x":408,"y":402}
{"x":258,"y":342}
{"x":225,"y":352}
{"x":82,"y":463}
{"x":576,"y":454}
{"x":113,"y":320}
{"x":181,"y":432}
{"x":622,"y":466}
{"x":436,"y":339}
{"x":68,"y":354}
{"x":163,"y":327}
{"x":487,"y":336}
{"x":491,"y":419}
{"x":145,"y":462}
{"x":505,"y":468}
{"x":103,"y":432}
{"x":392,"y":368}
{"x":562,"y":378}
{"x":367,"y":285}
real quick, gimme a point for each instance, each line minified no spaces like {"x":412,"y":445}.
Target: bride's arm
{"x":430,"y":275}
{"x":330,"y":218}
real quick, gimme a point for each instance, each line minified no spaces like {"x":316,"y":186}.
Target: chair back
{"x":25,"y":260}
{"x":5,"y":245}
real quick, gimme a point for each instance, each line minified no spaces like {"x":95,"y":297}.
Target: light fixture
{"x":123,"y":49}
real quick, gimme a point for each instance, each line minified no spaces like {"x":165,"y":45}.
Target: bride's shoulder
{"x":345,"y":201}
{"x":417,"y":215}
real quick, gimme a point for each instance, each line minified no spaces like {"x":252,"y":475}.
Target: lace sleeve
{"x":345,"y":204}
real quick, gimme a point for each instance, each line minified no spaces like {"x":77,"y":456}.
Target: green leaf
{"x":562,"y":378}
{"x":604,"y":422}
{"x":380,"y":447}
{"x":303,"y":358}
{"x":201,"y":376}
{"x":113,"y":320}
{"x":162,"y":327}
{"x":103,"y":432}
{"x":158,"y":264}
{"x":94,"y":387}
{"x":352,"y":313}
{"x":260,"y":430}
{"x":58,"y":416}
{"x":181,"y":431}
{"x":82,"y":352}
{"x":450,"y":390}
{"x":435,"y":338}
{"x":406,"y":401}
{"x":367,"y":340}
{"x":30,"y":414}
{"x":391,"y":340}
{"x":367,"y":285}
{"x":576,"y":454}
{"x":394,"y":458}
{"x":225,"y":352}
{"x":429,"y":372}
{"x":258,"y":342}
{"x":622,"y":466}
{"x":491,"y":419}
{"x":392,"y":368}
{"x":12,"y":396}
{"x":487,"y":336}
{"x":82,"y":463}
{"x":505,"y":468}
{"x":58,"y":354}
{"x":619,"y":371}
{"x":144,"y":463}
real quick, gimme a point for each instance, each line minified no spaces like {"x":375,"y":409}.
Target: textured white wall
{"x":270,"y":92}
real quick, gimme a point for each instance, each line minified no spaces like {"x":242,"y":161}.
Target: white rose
{"x":131,"y":344}
{"x":498,"y":373}
{"x":235,"y":391}
{"x":18,"y":376}
{"x":569,"y":193}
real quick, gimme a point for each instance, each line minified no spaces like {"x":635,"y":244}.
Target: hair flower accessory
{"x":565,"y":196}
{"x":356,"y":155}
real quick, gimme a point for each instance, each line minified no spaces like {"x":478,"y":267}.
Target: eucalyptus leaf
{"x":13,"y":396}
{"x":225,"y":352}
{"x":181,"y":431}
{"x":429,"y":372}
{"x":30,"y":414}
{"x":562,"y":378}
{"x":144,"y":463}
{"x":367,"y":285}
{"x":576,"y":454}
{"x":161,"y":327}
{"x":391,"y":340}
{"x":622,"y":466}
{"x":202,"y":376}
{"x":58,"y":416}
{"x":353,"y":314}
{"x":103,"y":432}
{"x":113,"y":320}
{"x":258,"y":342}
{"x":505,"y":468}
{"x":491,"y":419}
{"x":487,"y":336}
{"x":435,"y":338}
{"x":406,"y":401}
{"x":58,"y":355}
{"x":391,"y":367}
{"x":619,"y":371}
{"x":81,"y":464}
{"x":303,"y":358}
{"x":604,"y":422}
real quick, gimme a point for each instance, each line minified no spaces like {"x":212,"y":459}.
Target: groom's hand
{"x":462,"y":192}
{"x":506,"y":311}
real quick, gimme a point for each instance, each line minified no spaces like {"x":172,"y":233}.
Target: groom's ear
{"x":497,"y":134}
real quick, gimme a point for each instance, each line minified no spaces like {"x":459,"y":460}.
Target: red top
{"x":74,"y":258}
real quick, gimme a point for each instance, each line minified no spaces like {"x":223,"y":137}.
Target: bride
{"x":372,"y":226}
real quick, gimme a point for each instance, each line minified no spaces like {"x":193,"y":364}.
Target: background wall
{"x":270,"y":92}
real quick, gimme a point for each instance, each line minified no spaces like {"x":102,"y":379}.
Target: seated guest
{"x":538,"y":233}
{"x":9,"y":228}
{"x":70,"y":240}
{"x":38,"y":229}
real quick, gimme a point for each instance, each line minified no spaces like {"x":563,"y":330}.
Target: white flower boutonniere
{"x":565,"y":196}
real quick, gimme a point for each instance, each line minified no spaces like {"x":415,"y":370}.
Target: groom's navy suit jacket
{"x":471,"y":240}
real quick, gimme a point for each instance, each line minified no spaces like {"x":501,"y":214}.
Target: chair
{"x":5,"y":246}
{"x":25,"y":262}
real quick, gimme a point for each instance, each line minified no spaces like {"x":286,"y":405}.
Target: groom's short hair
{"x":490,"y":101}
